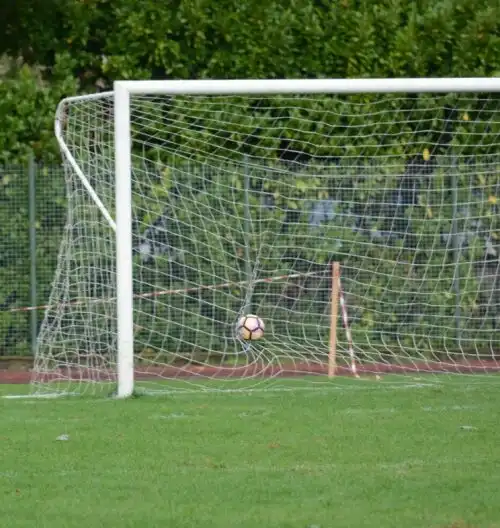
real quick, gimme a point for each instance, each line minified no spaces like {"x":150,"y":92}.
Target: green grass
{"x":357,"y":454}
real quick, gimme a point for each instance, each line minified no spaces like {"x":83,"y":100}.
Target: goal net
{"x":242,"y":203}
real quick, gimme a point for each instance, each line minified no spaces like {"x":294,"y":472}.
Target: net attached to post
{"x":241,"y":204}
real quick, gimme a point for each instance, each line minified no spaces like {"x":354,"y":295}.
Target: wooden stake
{"x":334,"y":311}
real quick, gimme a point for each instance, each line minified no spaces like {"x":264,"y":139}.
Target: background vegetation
{"x":55,"y":48}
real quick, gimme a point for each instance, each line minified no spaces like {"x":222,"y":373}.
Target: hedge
{"x":227,"y":39}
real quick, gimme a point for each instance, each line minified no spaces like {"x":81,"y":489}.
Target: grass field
{"x":356,"y":454}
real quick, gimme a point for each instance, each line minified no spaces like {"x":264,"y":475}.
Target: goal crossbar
{"x":312,"y":86}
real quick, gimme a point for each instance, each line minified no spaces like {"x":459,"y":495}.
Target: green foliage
{"x":249,"y":39}
{"x":27,"y":104}
{"x":193,"y":39}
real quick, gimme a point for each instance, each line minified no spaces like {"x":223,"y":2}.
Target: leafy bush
{"x":28,"y":104}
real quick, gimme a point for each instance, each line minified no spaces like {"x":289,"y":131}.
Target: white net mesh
{"x":242,"y":204}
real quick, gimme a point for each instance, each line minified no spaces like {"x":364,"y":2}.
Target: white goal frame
{"x":122,"y":90}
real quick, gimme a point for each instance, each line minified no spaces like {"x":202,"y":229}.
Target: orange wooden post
{"x":334,"y":311}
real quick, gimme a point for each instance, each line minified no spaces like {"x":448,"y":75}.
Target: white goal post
{"x":287,"y":177}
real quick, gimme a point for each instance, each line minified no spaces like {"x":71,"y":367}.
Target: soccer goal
{"x":359,"y":219}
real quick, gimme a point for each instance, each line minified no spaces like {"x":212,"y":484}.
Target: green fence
{"x":419,"y":253}
{"x":32,"y":218}
{"x":448,"y":290}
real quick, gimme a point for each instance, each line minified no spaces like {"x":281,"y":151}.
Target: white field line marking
{"x":48,"y":396}
{"x":271,"y":391}
{"x":204,"y":391}
{"x":319,"y":390}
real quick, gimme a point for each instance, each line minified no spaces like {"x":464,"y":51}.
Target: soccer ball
{"x":250,"y":327}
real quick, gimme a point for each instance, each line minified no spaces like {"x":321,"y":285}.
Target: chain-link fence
{"x":460,"y":244}
{"x":32,"y":218}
